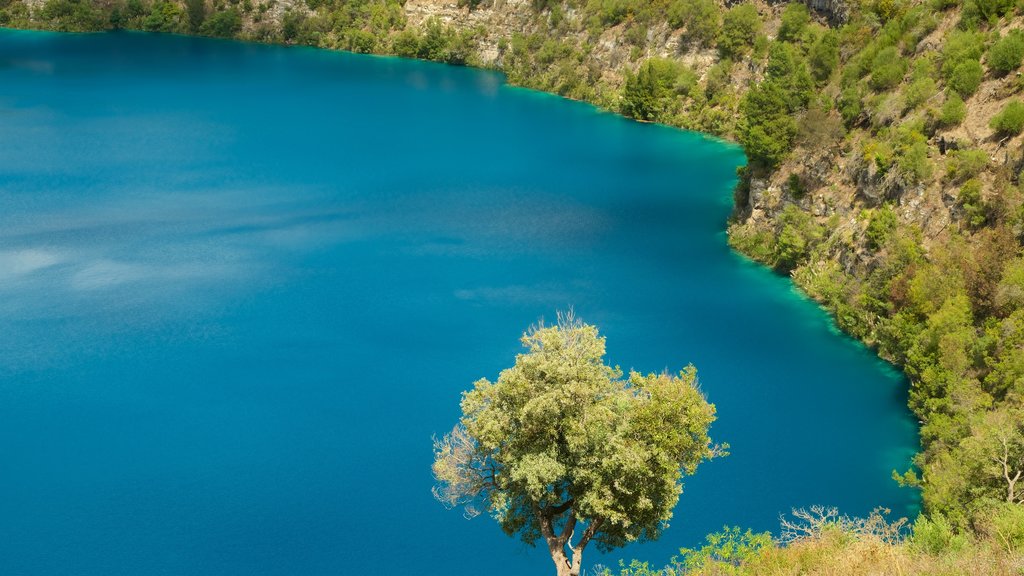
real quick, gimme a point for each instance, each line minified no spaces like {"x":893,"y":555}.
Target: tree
{"x":795,"y":18}
{"x":699,"y":18}
{"x":222,"y":24}
{"x":996,"y":449}
{"x":647,"y":93}
{"x":563,"y":448}
{"x":824,"y":56}
{"x":196,"y":14}
{"x":740,"y":26}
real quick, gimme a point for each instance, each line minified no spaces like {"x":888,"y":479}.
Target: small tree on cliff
{"x":563,"y":448}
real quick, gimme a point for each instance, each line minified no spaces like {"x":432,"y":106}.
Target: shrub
{"x":406,"y":43}
{"x":740,"y":26}
{"x":795,"y":18}
{"x":71,"y":16}
{"x":610,"y":12}
{"x":1010,"y":120}
{"x":966,"y":77}
{"x":1006,"y":54}
{"x":970,"y":200}
{"x":700,"y":18}
{"x":880,"y":227}
{"x":222,"y":24}
{"x":935,"y":535}
{"x":165,"y":17}
{"x":887,"y":69}
{"x":823,"y":56}
{"x":918,"y":92}
{"x":913,"y":160}
{"x":770,"y":127}
{"x":851,"y":104}
{"x":798,"y":236}
{"x":953,"y":111}
{"x":964,"y":164}
{"x":647,"y":93}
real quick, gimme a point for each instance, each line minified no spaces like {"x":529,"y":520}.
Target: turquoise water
{"x":241,"y":287}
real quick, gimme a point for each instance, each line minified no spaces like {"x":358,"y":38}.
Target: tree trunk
{"x":562,"y":567}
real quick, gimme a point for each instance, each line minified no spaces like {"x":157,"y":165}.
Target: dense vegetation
{"x":884,"y":177}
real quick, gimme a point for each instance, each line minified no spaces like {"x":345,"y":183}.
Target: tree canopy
{"x":562,"y":447}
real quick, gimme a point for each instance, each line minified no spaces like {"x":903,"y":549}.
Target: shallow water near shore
{"x":242,"y":286}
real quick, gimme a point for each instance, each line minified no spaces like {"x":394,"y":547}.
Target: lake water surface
{"x":241,"y":286}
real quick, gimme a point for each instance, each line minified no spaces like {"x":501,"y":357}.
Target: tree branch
{"x":556,"y":510}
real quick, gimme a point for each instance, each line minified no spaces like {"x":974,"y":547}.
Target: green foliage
{"x":196,"y":10}
{"x":887,"y":69}
{"x":795,"y":18}
{"x":960,"y":62}
{"x":648,"y":93}
{"x":935,"y":535}
{"x":1010,"y":120}
{"x":560,"y":431}
{"x":724,"y":551}
{"x":824,"y":56}
{"x":1005,"y":55}
{"x":222,"y":24}
{"x":970,"y":200}
{"x":953,"y":111}
{"x":740,"y":27}
{"x":912,"y":153}
{"x":966,"y":77}
{"x":71,"y":16}
{"x":978,"y":12}
{"x":610,"y":12}
{"x":701,"y":19}
{"x":918,"y":92}
{"x":964,"y":164}
{"x":770,"y":128}
{"x":851,"y":104}
{"x":165,"y":17}
{"x":798,"y":236}
{"x":1010,"y":293}
{"x":881,"y":227}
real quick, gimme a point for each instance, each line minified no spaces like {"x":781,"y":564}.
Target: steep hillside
{"x":885,"y":145}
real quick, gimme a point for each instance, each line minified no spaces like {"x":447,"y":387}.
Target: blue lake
{"x":241,"y":286}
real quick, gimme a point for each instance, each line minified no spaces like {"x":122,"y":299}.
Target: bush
{"x":795,"y":18}
{"x":610,"y":12}
{"x":918,"y":92}
{"x":970,"y":200}
{"x":740,"y":26}
{"x":823,"y":56}
{"x":71,"y":16}
{"x":1010,"y":120}
{"x":851,"y":104}
{"x":953,"y":111}
{"x":966,"y":77}
{"x":647,"y":93}
{"x":887,"y":69}
{"x":700,"y":18}
{"x":964,"y":164}
{"x":406,"y":43}
{"x":935,"y":535}
{"x":770,"y":128}
{"x":1006,"y":54}
{"x":165,"y":17}
{"x":880,"y":227}
{"x":798,"y":236}
{"x":224,"y":24}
